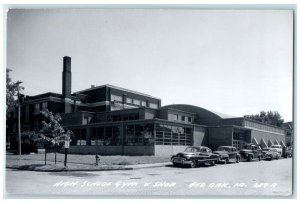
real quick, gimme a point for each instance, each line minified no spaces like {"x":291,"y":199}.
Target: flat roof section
{"x":118,"y":88}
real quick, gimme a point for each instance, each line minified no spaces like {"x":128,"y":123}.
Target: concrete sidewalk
{"x":81,"y":167}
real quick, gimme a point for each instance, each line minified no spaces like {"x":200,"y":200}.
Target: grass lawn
{"x":86,"y":159}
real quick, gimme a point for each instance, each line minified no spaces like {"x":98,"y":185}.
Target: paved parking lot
{"x":244,"y":178}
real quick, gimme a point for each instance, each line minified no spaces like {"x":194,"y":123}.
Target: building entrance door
{"x":240,"y":137}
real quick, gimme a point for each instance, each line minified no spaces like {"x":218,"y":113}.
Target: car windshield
{"x":247,"y":147}
{"x":191,"y":149}
{"x":223,"y":149}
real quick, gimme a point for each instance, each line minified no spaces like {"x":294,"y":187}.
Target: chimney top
{"x":67,"y":63}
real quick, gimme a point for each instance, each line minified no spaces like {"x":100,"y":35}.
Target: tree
{"x":52,"y":133}
{"x":12,"y":89}
{"x":269,"y":117}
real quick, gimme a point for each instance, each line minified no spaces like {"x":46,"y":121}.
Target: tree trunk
{"x":45,"y":156}
{"x":55,"y":156}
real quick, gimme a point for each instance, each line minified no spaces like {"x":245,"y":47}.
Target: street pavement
{"x":245,"y":179}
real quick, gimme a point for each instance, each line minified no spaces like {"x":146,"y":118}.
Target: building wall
{"x":232,"y":121}
{"x":255,"y":125}
{"x":76,"y":118}
{"x":258,"y":135}
{"x":132,"y":95}
{"x":28,"y":122}
{"x":100,"y":108}
{"x":96,"y":95}
{"x":176,"y":115}
{"x":101,"y":150}
{"x":146,"y":150}
{"x":149,"y":114}
{"x":199,"y":137}
{"x":110,"y":115}
{"x":219,"y":136}
{"x":168,"y":150}
{"x":56,"y":107}
{"x":113,"y":150}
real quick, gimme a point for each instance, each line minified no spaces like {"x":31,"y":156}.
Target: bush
{"x":28,"y":143}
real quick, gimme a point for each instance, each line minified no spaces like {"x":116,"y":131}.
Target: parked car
{"x":278,"y":148}
{"x":287,"y":152}
{"x":251,"y":152}
{"x":192,"y":156}
{"x":228,"y":154}
{"x":270,"y":154}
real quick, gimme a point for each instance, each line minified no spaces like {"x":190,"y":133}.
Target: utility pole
{"x":19,"y":117}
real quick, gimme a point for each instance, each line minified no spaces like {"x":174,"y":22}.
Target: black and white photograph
{"x":149,"y":101}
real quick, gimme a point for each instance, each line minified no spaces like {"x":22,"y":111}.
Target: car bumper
{"x":222,"y":160}
{"x":181,"y":161}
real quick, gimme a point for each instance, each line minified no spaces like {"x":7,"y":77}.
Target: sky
{"x":235,"y":62}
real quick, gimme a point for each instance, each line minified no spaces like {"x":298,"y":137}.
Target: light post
{"x":19,"y":116}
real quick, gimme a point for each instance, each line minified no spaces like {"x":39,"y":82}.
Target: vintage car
{"x":270,"y":153}
{"x":228,"y":154}
{"x":278,"y":148}
{"x":195,"y":155}
{"x":251,"y":152}
{"x":287,"y":152}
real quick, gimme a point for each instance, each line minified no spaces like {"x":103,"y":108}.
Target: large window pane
{"x":173,"y":135}
{"x":149,"y":134}
{"x":108,"y":136}
{"x":93,"y":136}
{"x":130,"y":134}
{"x":152,"y":105}
{"x":116,"y":98}
{"x":116,"y":139}
{"x":36,"y":108}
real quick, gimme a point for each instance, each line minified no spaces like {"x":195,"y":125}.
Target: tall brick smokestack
{"x":66,"y":83}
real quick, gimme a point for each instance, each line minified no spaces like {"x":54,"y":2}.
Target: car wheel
{"x":259,"y":158}
{"x":237,"y":159}
{"x":249,"y":158}
{"x":226,"y":161}
{"x":193,"y":164}
{"x":213,"y":163}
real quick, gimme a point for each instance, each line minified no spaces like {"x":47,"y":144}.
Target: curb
{"x":129,"y":167}
{"x":66,"y":170}
{"x":156,"y":165}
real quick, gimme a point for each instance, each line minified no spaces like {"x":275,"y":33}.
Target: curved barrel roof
{"x":204,"y":116}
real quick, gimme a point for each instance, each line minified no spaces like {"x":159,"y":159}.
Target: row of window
{"x":173,"y":135}
{"x":236,"y":144}
{"x":133,"y":101}
{"x":124,"y":117}
{"x":137,"y":134}
{"x":255,"y":125}
{"x":238,"y":136}
{"x":37,"y":108}
{"x":176,"y":117}
{"x":36,"y":126}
